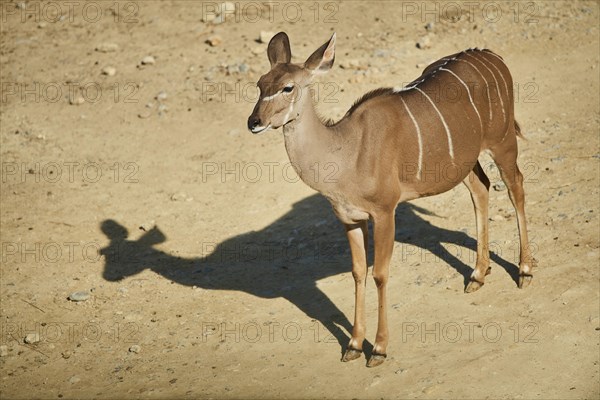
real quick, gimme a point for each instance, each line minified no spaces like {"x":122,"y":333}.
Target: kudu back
{"x":396,"y":144}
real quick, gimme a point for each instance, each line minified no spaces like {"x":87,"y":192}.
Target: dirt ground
{"x":213,"y":272}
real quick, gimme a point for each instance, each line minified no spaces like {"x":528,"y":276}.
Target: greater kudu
{"x":394,"y":145}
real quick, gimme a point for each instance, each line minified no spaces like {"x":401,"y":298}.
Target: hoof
{"x":375,"y":360}
{"x":473,"y":286}
{"x":524,"y":281}
{"x":351,"y":354}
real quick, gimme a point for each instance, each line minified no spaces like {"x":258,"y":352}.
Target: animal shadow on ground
{"x":285,"y":259}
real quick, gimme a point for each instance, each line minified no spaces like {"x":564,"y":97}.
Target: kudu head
{"x":282,"y":88}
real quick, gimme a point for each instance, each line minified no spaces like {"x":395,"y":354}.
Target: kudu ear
{"x":279,"y":50}
{"x":321,"y":60}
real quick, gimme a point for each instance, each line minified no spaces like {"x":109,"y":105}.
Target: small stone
{"x":3,"y":350}
{"x":424,"y":43}
{"x":162,"y":108}
{"x":42,"y":25}
{"x":497,"y":218}
{"x":77,"y":100}
{"x":32,"y":338}
{"x":499,"y":186}
{"x":135,"y":349}
{"x":144,"y":115}
{"x":107,"y":47}
{"x":180,"y":197}
{"x":66,"y":354}
{"x":429,"y":26}
{"x":400,"y":371}
{"x":233,"y":132}
{"x":258,"y":50}
{"x":214,"y":40}
{"x":74,"y":379}
{"x":162,"y":95}
{"x":243,"y":68}
{"x":148,"y":60}
{"x":226,"y":9}
{"x":351,"y":64}
{"x":109,"y":71}
{"x":79,"y":296}
{"x":148,"y":225}
{"x":265,"y":36}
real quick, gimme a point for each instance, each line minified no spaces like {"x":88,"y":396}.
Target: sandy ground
{"x":213,"y":272}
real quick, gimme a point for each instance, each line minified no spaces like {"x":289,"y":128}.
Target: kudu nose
{"x":253,"y":123}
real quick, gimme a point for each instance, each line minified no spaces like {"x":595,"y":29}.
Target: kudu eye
{"x":287,"y":89}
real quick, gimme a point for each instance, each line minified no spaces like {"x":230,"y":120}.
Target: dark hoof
{"x":351,"y":354}
{"x":524,"y":281}
{"x":473,"y":286}
{"x":375,"y":360}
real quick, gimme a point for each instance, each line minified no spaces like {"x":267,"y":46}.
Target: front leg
{"x":384,"y":229}
{"x":358,"y":236}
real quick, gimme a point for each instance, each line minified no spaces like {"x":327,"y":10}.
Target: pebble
{"x":350,"y":64}
{"x":79,"y":296}
{"x":499,"y":186}
{"x":135,"y":349}
{"x":429,"y":26}
{"x":148,"y":60}
{"x":42,"y":25}
{"x":243,"y":68}
{"x":148,"y":225}
{"x":32,"y":338}
{"x":424,"y":43}
{"x":265,"y":36}
{"x":214,"y":40}
{"x":233,"y":132}
{"x":107,"y":47}
{"x":162,"y":95}
{"x":181,"y":197}
{"x":109,"y":71}
{"x":77,"y":100}
{"x":3,"y":351}
{"x":66,"y":354}
{"x":227,"y":8}
{"x":74,"y":379}
{"x":258,"y":50}
{"x":497,"y":218}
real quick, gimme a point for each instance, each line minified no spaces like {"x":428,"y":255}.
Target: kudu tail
{"x":518,"y":130}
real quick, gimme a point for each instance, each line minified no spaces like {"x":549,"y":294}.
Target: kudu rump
{"x":394,"y":145}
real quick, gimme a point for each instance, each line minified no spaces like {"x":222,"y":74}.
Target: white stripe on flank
{"x":493,"y":54}
{"x":495,"y":81}
{"x":450,"y":146}
{"x":501,"y":76}
{"x":418,"y":138}
{"x":487,"y":87}
{"x":469,"y":93}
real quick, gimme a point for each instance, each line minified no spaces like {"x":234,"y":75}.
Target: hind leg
{"x":479,"y":184}
{"x":505,"y":157}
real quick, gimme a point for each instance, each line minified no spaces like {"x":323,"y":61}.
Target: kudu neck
{"x":310,"y":143}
